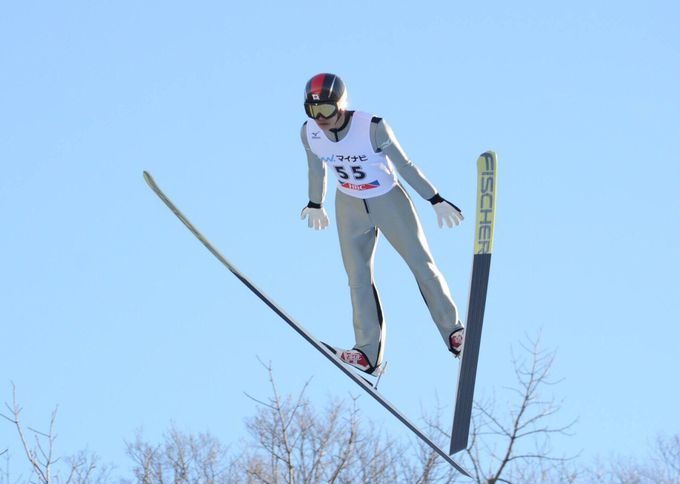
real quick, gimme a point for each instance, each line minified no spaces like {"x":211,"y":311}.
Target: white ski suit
{"x":370,"y":200}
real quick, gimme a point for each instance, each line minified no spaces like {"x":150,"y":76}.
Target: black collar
{"x":348,"y":116}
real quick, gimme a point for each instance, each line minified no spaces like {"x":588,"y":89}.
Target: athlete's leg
{"x":395,"y":216}
{"x":358,"y":237}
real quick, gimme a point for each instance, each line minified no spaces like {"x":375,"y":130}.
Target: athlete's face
{"x":331,"y":123}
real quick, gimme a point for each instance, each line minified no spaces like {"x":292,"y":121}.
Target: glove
{"x":446,"y":212}
{"x":317,"y":218}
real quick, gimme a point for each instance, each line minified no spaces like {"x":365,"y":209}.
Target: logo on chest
{"x":360,"y":187}
{"x":351,"y":158}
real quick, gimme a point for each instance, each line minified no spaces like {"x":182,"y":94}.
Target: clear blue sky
{"x":110,"y":309}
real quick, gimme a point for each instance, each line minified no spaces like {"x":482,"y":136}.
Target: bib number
{"x":357,"y":172}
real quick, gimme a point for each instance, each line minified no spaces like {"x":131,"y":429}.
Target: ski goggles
{"x":321,"y":110}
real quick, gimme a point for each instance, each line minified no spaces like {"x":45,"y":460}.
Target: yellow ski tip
{"x":486,"y":202}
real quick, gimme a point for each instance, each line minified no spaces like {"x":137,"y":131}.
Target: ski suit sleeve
{"x":384,"y":140}
{"x":316,"y":173}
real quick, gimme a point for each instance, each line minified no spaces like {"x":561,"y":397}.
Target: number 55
{"x":357,"y":172}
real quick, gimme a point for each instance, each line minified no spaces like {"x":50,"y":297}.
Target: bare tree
{"x":662,"y":466}
{"x":40,"y":453}
{"x":85,"y":468}
{"x":181,"y":458}
{"x":514,"y":445}
{"x":289,"y":441}
{"x":426,"y":465}
{"x":292,"y":443}
{"x":667,"y":458}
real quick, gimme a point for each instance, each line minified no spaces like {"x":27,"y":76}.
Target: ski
{"x":481,"y":263}
{"x":359,"y":380}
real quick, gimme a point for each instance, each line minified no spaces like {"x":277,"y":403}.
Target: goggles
{"x":321,"y":110}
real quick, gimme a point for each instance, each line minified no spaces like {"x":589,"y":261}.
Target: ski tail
{"x":481,"y":264}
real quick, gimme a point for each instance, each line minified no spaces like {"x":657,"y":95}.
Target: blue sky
{"x":112,"y":311}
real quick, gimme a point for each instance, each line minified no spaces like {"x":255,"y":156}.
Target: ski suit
{"x":370,"y":200}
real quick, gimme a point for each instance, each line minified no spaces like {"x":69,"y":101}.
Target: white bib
{"x":360,"y":171}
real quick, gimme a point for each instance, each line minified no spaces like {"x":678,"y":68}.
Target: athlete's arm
{"x":316,"y":173}
{"x":384,"y":140}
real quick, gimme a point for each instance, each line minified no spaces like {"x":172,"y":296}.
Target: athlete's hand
{"x":446,"y":212}
{"x":317,"y":218}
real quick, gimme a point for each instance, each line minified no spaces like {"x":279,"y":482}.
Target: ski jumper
{"x":370,"y":200}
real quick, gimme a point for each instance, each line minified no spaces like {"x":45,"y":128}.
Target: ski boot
{"x":456,"y":342}
{"x":357,"y":359}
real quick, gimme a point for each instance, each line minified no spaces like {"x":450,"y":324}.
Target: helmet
{"x":326,"y":88}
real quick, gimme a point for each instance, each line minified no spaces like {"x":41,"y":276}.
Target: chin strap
{"x":348,"y":116}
